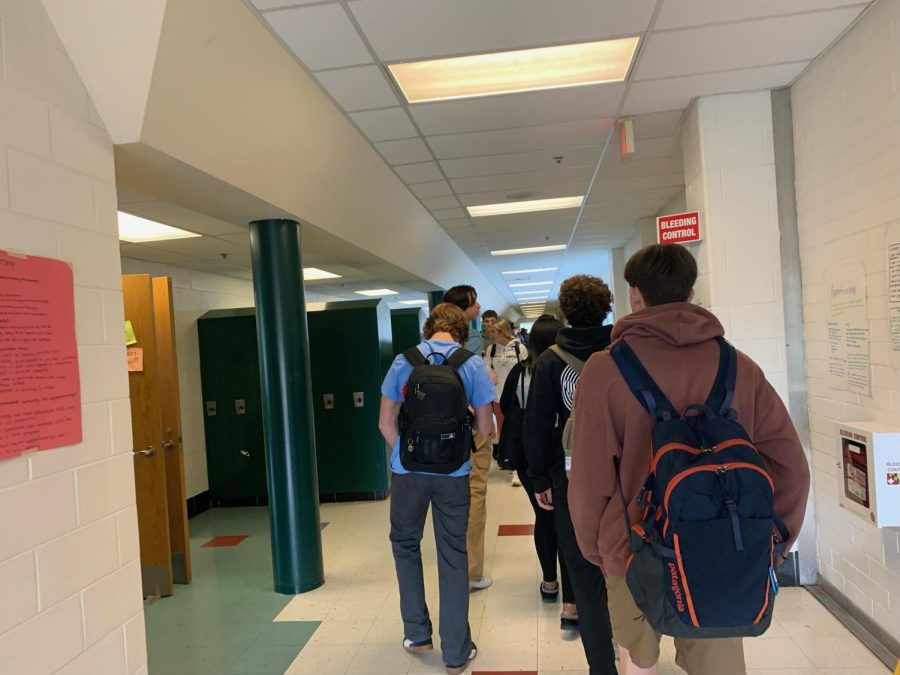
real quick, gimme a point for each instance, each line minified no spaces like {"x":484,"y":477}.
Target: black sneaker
{"x":417,"y":647}
{"x":456,"y":670}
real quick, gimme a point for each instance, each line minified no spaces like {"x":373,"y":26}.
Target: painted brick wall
{"x":69,"y":566}
{"x":847,"y":149}
{"x":730,"y":178}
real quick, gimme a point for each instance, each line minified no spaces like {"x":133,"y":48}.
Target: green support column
{"x":287,"y":405}
{"x":435,"y":298}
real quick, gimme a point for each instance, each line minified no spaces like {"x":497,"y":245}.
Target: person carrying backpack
{"x":433,"y":396}
{"x":585,"y":301}
{"x":689,"y":532}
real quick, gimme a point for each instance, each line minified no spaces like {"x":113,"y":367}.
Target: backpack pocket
{"x":722,"y":569}
{"x":435,"y":445}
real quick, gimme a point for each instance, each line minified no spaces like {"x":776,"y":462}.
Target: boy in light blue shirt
{"x":413,"y":492}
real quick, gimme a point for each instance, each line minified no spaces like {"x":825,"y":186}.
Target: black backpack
{"x":511,"y":449}
{"x":435,"y":422}
{"x":704,"y":551}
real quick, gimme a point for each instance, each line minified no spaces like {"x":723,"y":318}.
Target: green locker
{"x":406,"y":327}
{"x":350,"y":351}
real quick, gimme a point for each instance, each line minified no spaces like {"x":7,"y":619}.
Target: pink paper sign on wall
{"x":40,"y":391}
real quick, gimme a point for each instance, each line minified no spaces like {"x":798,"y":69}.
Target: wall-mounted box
{"x":869,"y":477}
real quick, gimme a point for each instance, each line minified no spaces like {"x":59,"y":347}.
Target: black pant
{"x":590,"y":590}
{"x":545,"y":540}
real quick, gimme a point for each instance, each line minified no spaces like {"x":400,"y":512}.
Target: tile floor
{"x":223,"y":622}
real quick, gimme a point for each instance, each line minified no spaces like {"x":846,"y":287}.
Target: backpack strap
{"x":415,"y":357}
{"x":459,"y":357}
{"x":722,"y":395}
{"x":573,"y":362}
{"x":644,"y":387}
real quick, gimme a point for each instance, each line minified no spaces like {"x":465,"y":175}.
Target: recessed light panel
{"x":532,"y":249}
{"x":413,"y":302}
{"x":574,"y":65}
{"x":138,"y":230}
{"x":315,"y":274}
{"x":526,"y":206}
{"x":531,"y":283}
{"x":377,"y":292}
{"x":532,"y":271}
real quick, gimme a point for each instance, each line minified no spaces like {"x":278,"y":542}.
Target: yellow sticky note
{"x":130,"y":339}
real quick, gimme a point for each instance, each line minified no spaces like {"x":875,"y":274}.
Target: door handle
{"x":168,"y":445}
{"x":149,"y":451}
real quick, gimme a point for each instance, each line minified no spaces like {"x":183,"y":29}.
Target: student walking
{"x":424,"y":416}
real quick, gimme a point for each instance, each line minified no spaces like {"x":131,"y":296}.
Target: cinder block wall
{"x":847,"y":137}
{"x":69,"y":567}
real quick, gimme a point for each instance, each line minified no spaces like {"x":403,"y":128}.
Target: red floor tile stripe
{"x":515,"y":530}
{"x":504,"y":672}
{"x":226,"y":540}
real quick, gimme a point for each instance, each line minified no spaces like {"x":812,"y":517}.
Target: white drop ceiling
{"x":504,"y":148}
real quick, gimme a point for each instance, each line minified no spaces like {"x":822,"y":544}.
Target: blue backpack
{"x":704,"y":552}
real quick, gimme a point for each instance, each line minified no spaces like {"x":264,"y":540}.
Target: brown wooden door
{"x":170,"y":405}
{"x":147,"y":433}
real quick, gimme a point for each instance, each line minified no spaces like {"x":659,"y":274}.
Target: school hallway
{"x":230,"y":621}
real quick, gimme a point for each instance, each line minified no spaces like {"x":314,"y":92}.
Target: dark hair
{"x":461,"y":296}
{"x":663,"y":273}
{"x":490,"y":314}
{"x":584,"y":300}
{"x":541,"y":337}
{"x":447,"y":318}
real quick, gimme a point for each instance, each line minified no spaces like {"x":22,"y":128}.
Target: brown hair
{"x":585,"y":300}
{"x":447,"y":318}
{"x":663,"y":273}
{"x":462,"y":296}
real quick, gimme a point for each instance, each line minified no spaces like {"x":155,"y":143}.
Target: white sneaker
{"x":480,"y":583}
{"x":456,"y":670}
{"x":515,"y":480}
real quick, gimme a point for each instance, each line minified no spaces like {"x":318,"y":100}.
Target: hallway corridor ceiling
{"x":546,"y":144}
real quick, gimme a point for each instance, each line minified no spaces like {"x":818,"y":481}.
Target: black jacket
{"x":550,"y":398}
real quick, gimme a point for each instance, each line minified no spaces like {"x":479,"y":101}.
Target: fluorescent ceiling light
{"x":531,"y":283}
{"x":314,"y":274}
{"x":377,"y":292}
{"x":137,"y":230}
{"x":413,"y":302}
{"x":533,"y":249}
{"x":543,"y":291}
{"x":536,"y":269}
{"x":526,"y":206}
{"x":574,"y":65}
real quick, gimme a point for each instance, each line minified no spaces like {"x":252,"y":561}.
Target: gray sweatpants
{"x":411,"y":495}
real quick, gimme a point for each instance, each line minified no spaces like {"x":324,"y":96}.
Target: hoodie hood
{"x":676,"y":323}
{"x":582,"y":342}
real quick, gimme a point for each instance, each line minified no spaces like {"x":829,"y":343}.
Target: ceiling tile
{"x":404,"y":152}
{"x":412,"y":29}
{"x":438,"y":203}
{"x":451,"y":217}
{"x":678,"y":92}
{"x":615,"y":166}
{"x":657,"y":125}
{"x":520,"y":161}
{"x":142,"y":252}
{"x":419,"y":173}
{"x":686,"y":13}
{"x":385,"y":125}
{"x":737,"y":45}
{"x":534,"y":181}
{"x":322,"y":36}
{"x":438,"y":188}
{"x":546,"y":192}
{"x":518,"y":110}
{"x":551,"y":137}
{"x":360,"y":88}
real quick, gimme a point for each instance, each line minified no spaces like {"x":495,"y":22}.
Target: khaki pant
{"x":723,"y":656}
{"x":481,"y":465}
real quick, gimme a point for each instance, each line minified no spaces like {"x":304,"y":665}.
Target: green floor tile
{"x":211,"y":660}
{"x":264,"y":661}
{"x":287,"y":634}
{"x":245,"y":633}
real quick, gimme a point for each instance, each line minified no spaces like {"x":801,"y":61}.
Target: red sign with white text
{"x":680,"y":228}
{"x":40,"y":391}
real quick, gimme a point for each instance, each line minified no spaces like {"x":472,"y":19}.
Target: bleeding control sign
{"x":680,"y":228}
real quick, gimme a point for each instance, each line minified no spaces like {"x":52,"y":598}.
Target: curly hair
{"x":585,"y":300}
{"x":447,"y":318}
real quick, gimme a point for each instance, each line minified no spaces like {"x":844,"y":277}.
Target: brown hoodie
{"x":676,"y":343}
